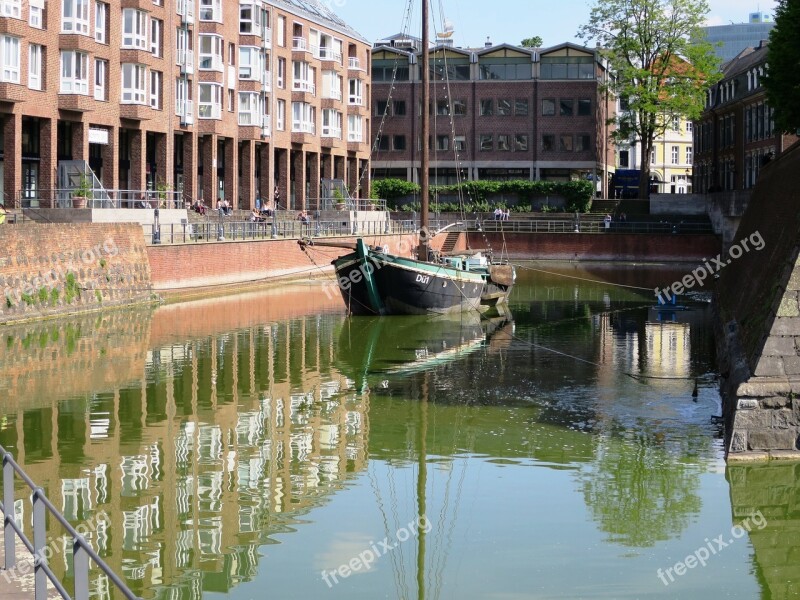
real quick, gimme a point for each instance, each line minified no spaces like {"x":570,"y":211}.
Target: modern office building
{"x":213,"y":99}
{"x":499,"y":112}
{"x":731,"y":39}
{"x":736,"y":134}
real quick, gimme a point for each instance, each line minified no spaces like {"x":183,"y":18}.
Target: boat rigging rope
{"x":620,"y":285}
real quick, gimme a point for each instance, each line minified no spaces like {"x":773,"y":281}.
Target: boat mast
{"x":422,"y":250}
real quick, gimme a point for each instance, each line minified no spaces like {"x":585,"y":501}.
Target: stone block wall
{"x":758,"y":319}
{"x":57,"y":268}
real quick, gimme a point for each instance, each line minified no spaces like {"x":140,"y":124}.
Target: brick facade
{"x":158,"y":133}
{"x":501,"y":101}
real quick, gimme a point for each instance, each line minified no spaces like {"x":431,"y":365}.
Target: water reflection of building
{"x":224,"y":441}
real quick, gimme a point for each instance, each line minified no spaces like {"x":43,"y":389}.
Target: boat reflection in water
{"x":373,"y":346}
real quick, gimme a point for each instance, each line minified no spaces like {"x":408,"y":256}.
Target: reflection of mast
{"x":422,"y":479}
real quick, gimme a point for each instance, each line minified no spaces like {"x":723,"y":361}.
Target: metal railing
{"x":97,"y":198}
{"x":224,"y":230}
{"x":589,"y":226}
{"x":334,"y":203}
{"x":82,"y":551}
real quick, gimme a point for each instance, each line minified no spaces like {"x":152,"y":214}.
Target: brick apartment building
{"x":500,"y":112}
{"x":736,"y":133}
{"x":211,"y":98}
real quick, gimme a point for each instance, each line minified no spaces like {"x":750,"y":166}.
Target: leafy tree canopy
{"x":532,"y":42}
{"x":783,"y":56}
{"x":656,"y":64}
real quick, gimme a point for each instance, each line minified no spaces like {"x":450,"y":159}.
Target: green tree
{"x":654,"y":65}
{"x":783,"y":77}
{"x":532,"y":42}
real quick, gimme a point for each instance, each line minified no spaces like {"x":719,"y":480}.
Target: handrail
{"x":82,"y":552}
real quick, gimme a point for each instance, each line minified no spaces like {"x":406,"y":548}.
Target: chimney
{"x":488,"y":43}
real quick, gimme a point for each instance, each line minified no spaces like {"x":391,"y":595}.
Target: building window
{"x":211,"y":52}
{"x":521,"y":142}
{"x":74,"y":73}
{"x":459,"y":108}
{"x":356,"y":89}
{"x":584,"y":107}
{"x":282,"y":32}
{"x":381,"y":108}
{"x":100,"y":21}
{"x":548,"y":142}
{"x":582,"y":142}
{"x":100,"y":79}
{"x":548,"y":107}
{"x":503,"y":107}
{"x":35,"y":66}
{"x":486,"y":142}
{"x":251,"y":63}
{"x":689,"y":127}
{"x":442,"y":108}
{"x":382,"y":144}
{"x":487,"y":107}
{"x":354,"y":128}
{"x":399,"y":108}
{"x":210,"y":101}
{"x":11,"y":8}
{"x":675,"y":153}
{"x":249,"y":19}
{"x":503,"y":143}
{"x":521,"y":107}
{"x":281,"y":73}
{"x":460,"y":143}
{"x":689,"y":155}
{"x":211,"y":10}
{"x":304,"y":77}
{"x":280,"y":115}
{"x":134,"y":29}
{"x":75,"y":16}
{"x":565,"y":107}
{"x":676,"y":123}
{"x":443,"y":142}
{"x":507,"y":71}
{"x":653,"y":157}
{"x":36,"y":14}
{"x":624,"y":158}
{"x":399,"y":143}
{"x":156,"y":35}
{"x":332,"y":124}
{"x":565,"y":143}
{"x":251,"y":109}
{"x":567,"y":67}
{"x":155,"y":89}
{"x":331,"y":85}
{"x":134,"y":84}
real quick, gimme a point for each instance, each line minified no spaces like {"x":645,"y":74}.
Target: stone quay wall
{"x":758,"y":322}
{"x":58,"y":268}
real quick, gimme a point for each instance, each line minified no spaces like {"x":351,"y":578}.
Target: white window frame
{"x":251,"y":63}
{"x":251,"y":25}
{"x":304,"y":118}
{"x":282,"y":31}
{"x":689,"y":155}
{"x":280,"y":115}
{"x":74,"y":73}
{"x":211,"y":10}
{"x":332,"y":121}
{"x":11,"y":8}
{"x":332,"y":84}
{"x":35,"y":55}
{"x":36,"y":14}
{"x":303,"y":76}
{"x":355,"y":95}
{"x":100,"y":21}
{"x":135,"y":91}
{"x":156,"y":36}
{"x":156,"y":85}
{"x":676,"y":150}
{"x":211,"y":107}
{"x":134,"y":29}
{"x":100,"y":79}
{"x":281,"y":80}
{"x":212,"y":57}
{"x":251,"y":109}
{"x":75,"y":17}
{"x":355,"y":128}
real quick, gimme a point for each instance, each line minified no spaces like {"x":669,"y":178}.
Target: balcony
{"x":326,"y":53}
{"x":266,"y":39}
{"x":185,"y":9}
{"x":300,"y":85}
{"x":299,"y":43}
{"x":354,"y":64}
{"x":210,"y":111}
{"x":185,"y":110}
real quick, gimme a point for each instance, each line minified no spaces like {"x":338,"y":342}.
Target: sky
{"x":507,"y":21}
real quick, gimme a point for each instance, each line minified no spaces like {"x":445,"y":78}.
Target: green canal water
{"x":266,"y":446}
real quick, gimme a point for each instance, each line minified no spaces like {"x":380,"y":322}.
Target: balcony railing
{"x":353,"y":63}
{"x":300,"y":85}
{"x":328,"y":53}
{"x":100,"y":198}
{"x":299,"y":43}
{"x":185,"y":110}
{"x":304,"y":127}
{"x":186,"y":61}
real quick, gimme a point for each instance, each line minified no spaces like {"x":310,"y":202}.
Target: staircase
{"x":70,"y":174}
{"x":450,"y":241}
